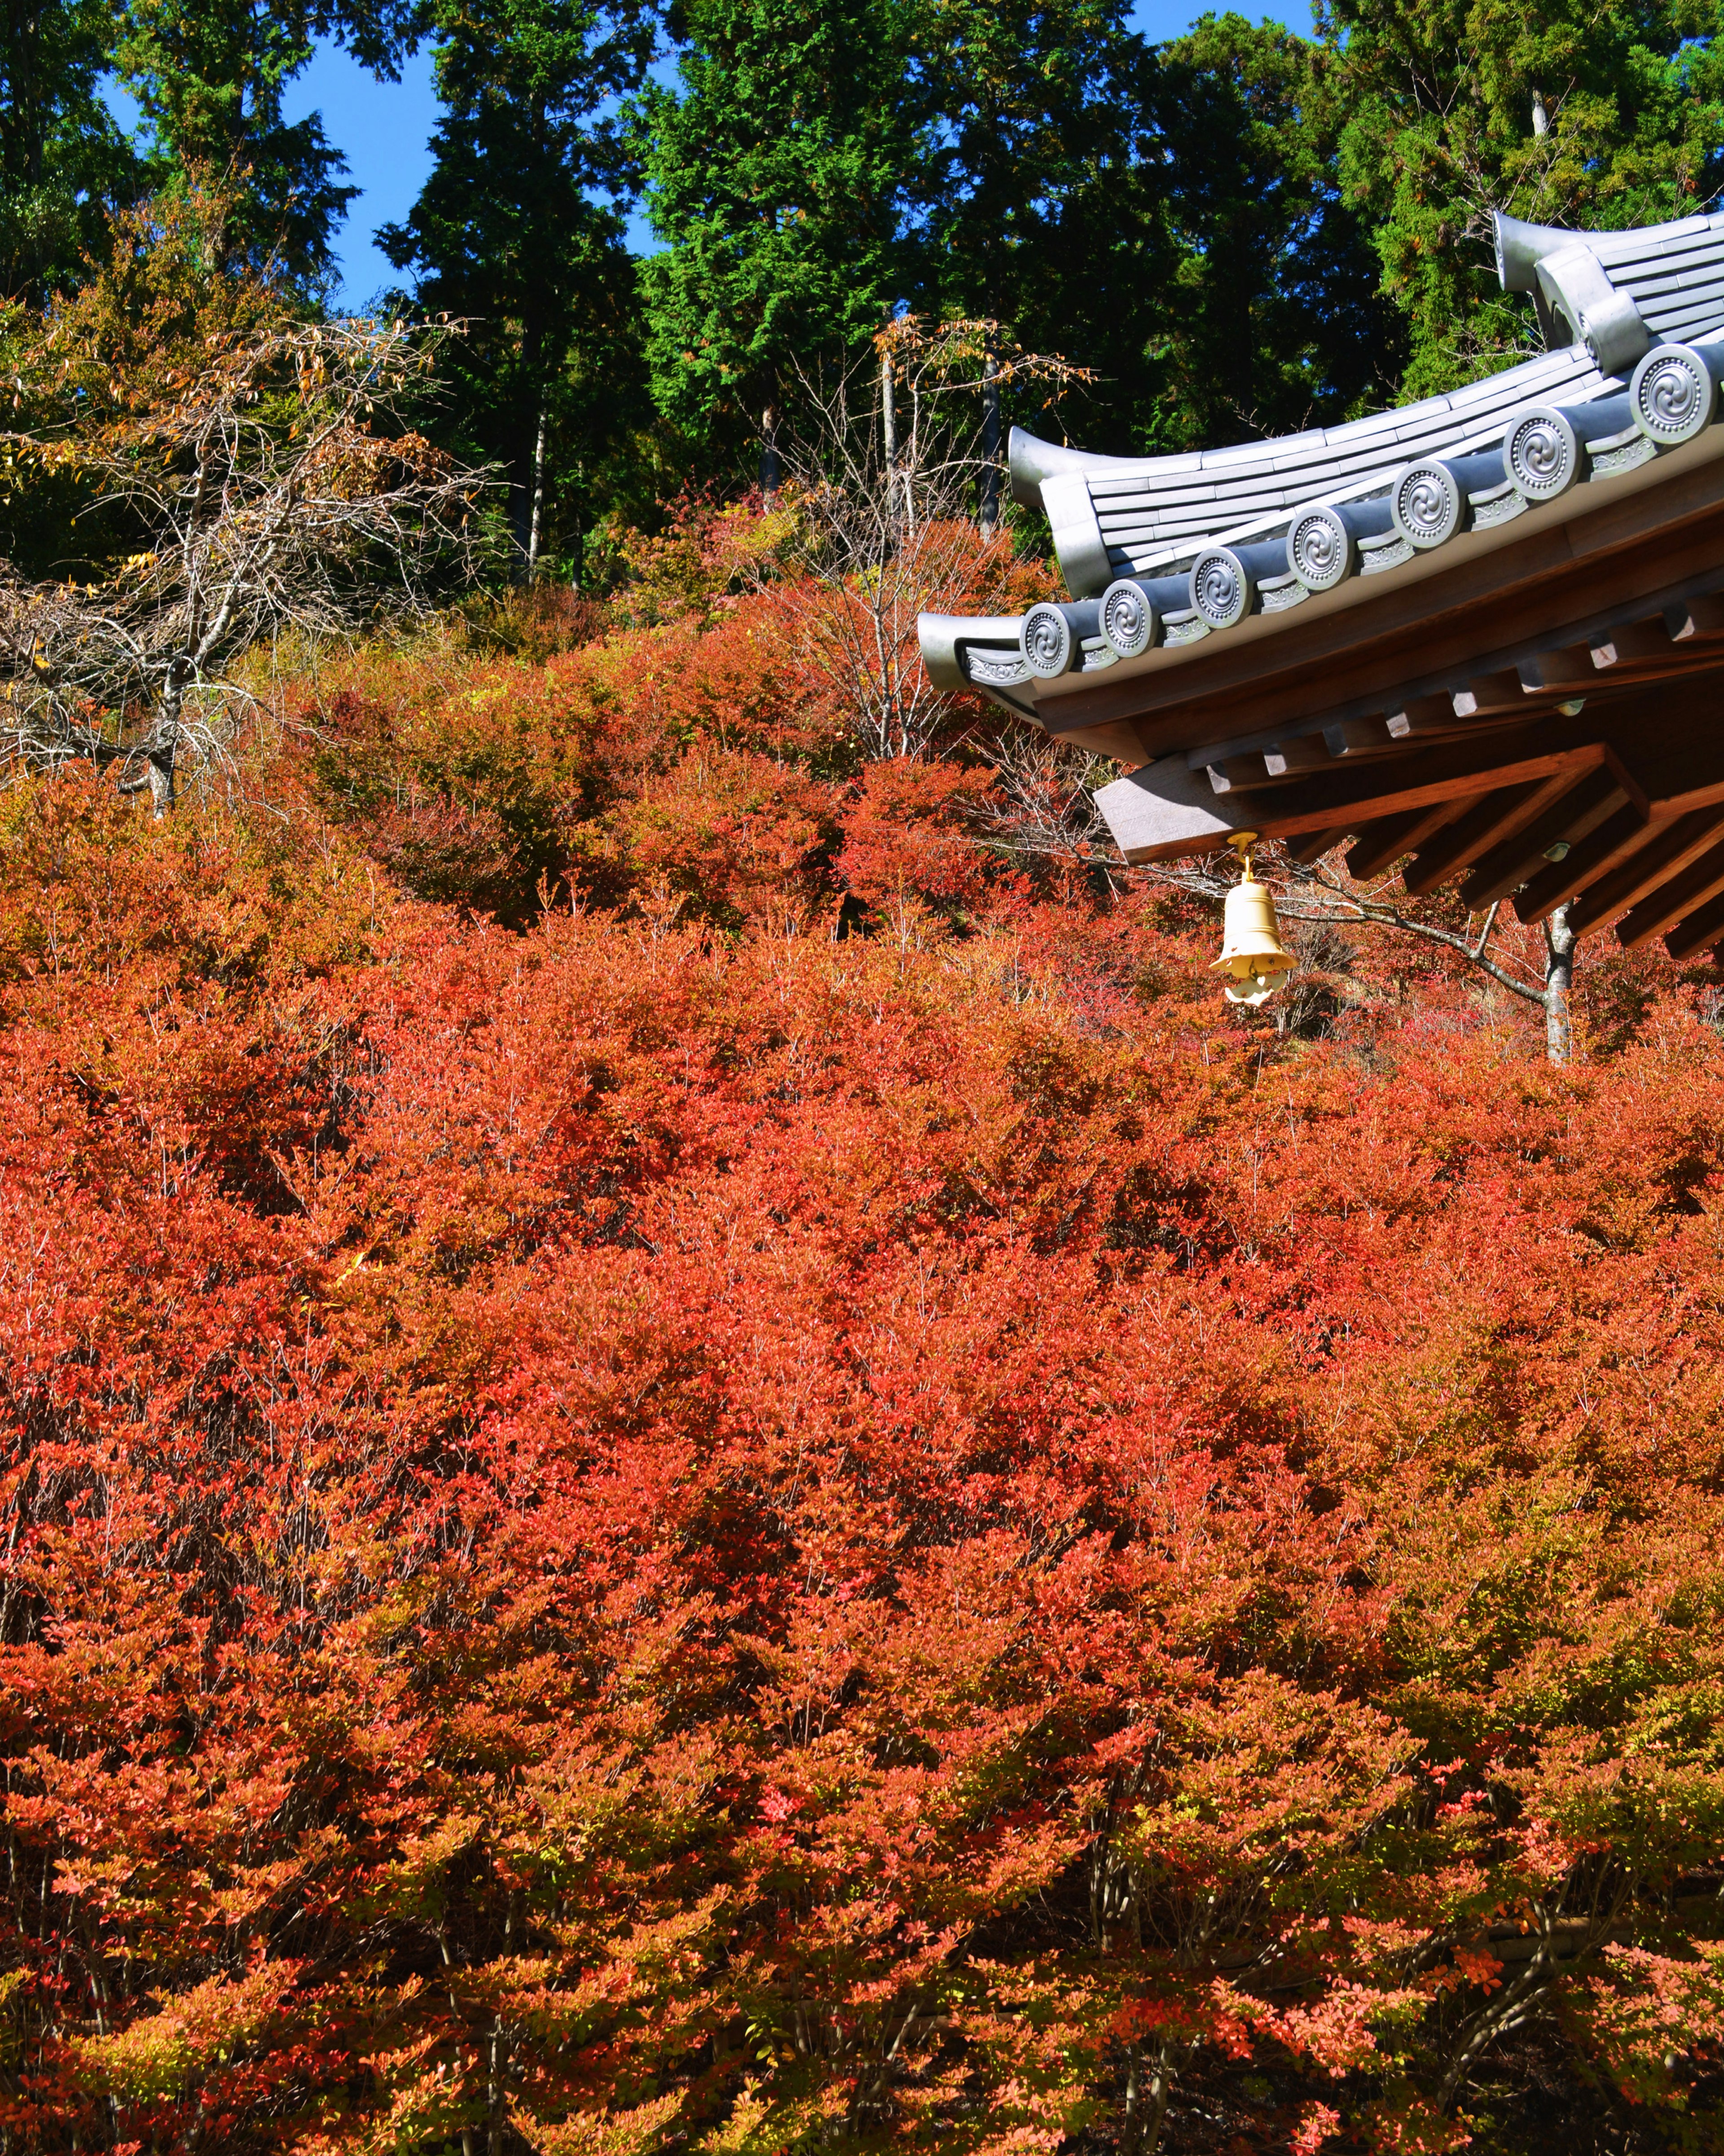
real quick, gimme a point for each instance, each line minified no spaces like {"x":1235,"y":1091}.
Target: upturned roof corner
{"x":1443,"y":615}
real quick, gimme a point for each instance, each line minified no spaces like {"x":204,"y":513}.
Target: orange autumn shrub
{"x":675,"y":1530}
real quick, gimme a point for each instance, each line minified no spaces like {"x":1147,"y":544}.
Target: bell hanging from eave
{"x":1251,"y":951}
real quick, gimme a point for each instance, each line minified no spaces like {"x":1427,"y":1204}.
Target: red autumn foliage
{"x":663,"y":1526}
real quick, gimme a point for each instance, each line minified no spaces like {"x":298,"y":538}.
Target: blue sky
{"x":383,"y":129}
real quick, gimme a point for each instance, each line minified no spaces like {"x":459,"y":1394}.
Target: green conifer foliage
{"x":1169,"y":217}
{"x":1266,"y":320}
{"x":777,"y":175}
{"x":1032,"y":119}
{"x":209,"y":77}
{"x":509,"y":232}
{"x":1564,"y":114}
{"x":61,"y":156}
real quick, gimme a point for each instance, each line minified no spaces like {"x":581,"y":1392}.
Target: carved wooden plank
{"x":1575,"y":815}
{"x":1682,"y":894}
{"x":1459,"y":845}
{"x":1395,"y":836}
{"x":1664,"y":855}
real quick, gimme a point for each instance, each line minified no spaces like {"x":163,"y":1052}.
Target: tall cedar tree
{"x":1033,"y":109}
{"x":776,"y":175}
{"x":61,"y":156}
{"x":1168,"y":216}
{"x":507,"y":233}
{"x":1438,"y":129}
{"x":210,"y":77}
{"x":1268,"y":319}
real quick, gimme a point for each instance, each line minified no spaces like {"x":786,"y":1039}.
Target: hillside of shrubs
{"x":700,"y":1458}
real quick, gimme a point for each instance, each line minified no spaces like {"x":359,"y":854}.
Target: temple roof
{"x":1492,"y":609}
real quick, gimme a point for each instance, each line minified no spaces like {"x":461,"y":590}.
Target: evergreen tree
{"x":1032,"y":201}
{"x":1572,"y":115}
{"x":508,"y":234}
{"x":1169,"y":217}
{"x":208,"y":76}
{"x":778,"y":176}
{"x":1267,"y":319}
{"x":62,"y":158}
{"x":1034,"y":107}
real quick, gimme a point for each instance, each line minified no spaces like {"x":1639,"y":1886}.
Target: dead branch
{"x":262,"y":482}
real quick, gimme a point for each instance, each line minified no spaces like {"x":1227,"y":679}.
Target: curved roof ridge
{"x":1618,"y":293}
{"x":1032,"y":460}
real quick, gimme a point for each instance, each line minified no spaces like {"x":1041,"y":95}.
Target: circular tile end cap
{"x":1221,"y":587}
{"x":1129,"y":625}
{"x":1427,"y":504}
{"x":1046,"y":641}
{"x":1322,"y":552}
{"x":1672,"y":394}
{"x":1542,"y":452}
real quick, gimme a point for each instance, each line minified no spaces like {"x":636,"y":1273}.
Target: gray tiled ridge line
{"x":1154,"y":513}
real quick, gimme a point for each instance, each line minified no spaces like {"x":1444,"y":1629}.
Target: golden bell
{"x":1251,"y":951}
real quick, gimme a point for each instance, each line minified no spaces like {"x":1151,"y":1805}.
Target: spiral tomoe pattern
{"x":1320,"y":549}
{"x":1046,"y":639}
{"x":1128,"y":623}
{"x":1220,"y":590}
{"x":1671,"y":394}
{"x":1427,"y":505}
{"x":1543,"y":453}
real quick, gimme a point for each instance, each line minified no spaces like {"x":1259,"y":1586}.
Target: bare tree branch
{"x":880,"y":481}
{"x":259,"y":464}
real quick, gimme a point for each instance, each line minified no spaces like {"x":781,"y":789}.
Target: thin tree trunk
{"x":769,"y":452}
{"x":888,"y":412}
{"x":535,"y":526}
{"x":1558,"y":979}
{"x":164,"y":750}
{"x":524,"y":462}
{"x":989,"y":519}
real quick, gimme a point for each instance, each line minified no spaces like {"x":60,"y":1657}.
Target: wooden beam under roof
{"x":1575,"y":815}
{"x":1635,"y":640}
{"x":1697,"y":932}
{"x":1428,"y":719}
{"x":1417,"y":716}
{"x":1392,"y":838}
{"x":1313,"y":846}
{"x":1695,"y":619}
{"x":1490,"y":692}
{"x":1680,"y":895}
{"x":1633,"y":557}
{"x":1479,"y":828}
{"x":1567,"y":667}
{"x":1665,"y":853}
{"x":1584,"y":865}
{"x":1165,"y":810}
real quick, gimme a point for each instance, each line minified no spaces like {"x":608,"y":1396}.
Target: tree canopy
{"x":695,"y":1459}
{"x":1236,"y":231}
{"x":1570,"y":115}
